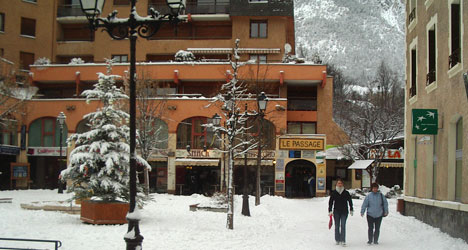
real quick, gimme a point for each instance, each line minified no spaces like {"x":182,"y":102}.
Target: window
{"x":431,"y":52}
{"x":259,"y":58}
{"x":268,"y":133}
{"x":45,"y":132}
{"x":414,"y":71}
{"x":302,"y":128}
{"x":302,"y":98}
{"x":28,"y":27}
{"x":455,"y":33}
{"x":8,"y":132}
{"x":2,"y":22}
{"x":258,"y":29}
{"x":120,"y":58}
{"x":458,"y":159}
{"x":26,"y":59}
{"x":191,"y":132}
{"x":121,"y":2}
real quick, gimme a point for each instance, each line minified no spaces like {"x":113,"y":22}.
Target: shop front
{"x":267,"y":172}
{"x":197,"y":171}
{"x":298,"y":163}
{"x":8,"y":155}
{"x":46,"y":166}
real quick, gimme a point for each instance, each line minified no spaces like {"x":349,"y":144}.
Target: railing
{"x":412,"y":15}
{"x":214,"y":7}
{"x":69,"y":10}
{"x":412,"y":91}
{"x":430,"y":77}
{"x":57,"y":243}
{"x":302,"y":105}
{"x":454,"y":58}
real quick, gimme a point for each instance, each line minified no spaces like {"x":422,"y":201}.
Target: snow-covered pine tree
{"x":100,"y":163}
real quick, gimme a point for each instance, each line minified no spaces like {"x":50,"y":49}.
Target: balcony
{"x":205,"y":7}
{"x":302,"y":105}
{"x":412,"y":15}
{"x":66,"y":10}
{"x":430,"y":77}
{"x":454,"y":58}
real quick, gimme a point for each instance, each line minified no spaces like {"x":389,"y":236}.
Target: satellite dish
{"x":287,"y":48}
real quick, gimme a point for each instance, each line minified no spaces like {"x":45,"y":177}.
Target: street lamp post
{"x":262,"y":101}
{"x":61,"y":120}
{"x":118,"y":29}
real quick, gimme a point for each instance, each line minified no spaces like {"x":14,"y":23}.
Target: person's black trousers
{"x":374,"y":223}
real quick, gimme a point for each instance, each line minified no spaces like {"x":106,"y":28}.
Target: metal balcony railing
{"x":69,"y":10}
{"x":302,"y":105}
{"x":208,"y":7}
{"x":430,"y":77}
{"x":412,"y":15}
{"x":454,"y":58}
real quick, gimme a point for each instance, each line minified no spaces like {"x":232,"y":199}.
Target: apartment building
{"x":436,"y":152}
{"x":299,"y":125}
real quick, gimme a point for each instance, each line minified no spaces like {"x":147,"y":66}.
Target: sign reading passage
{"x":301,"y":143}
{"x":425,"y":121}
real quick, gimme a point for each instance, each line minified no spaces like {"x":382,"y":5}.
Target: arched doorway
{"x":297,"y":175}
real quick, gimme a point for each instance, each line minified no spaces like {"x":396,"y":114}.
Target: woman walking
{"x":339,"y":200}
{"x":377,"y":207}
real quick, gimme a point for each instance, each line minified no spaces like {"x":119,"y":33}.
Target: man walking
{"x":377,"y":207}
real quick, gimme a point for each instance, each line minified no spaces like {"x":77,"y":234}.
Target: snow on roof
{"x":334,"y":154}
{"x":361,"y":164}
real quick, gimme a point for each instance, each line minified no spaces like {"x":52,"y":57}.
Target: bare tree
{"x":373,"y":119}
{"x":14,"y":91}
{"x":152,"y":134}
{"x":233,"y":100}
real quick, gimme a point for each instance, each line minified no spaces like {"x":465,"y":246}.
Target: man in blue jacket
{"x":377,"y":207}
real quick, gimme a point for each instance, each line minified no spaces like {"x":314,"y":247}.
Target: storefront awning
{"x":391,"y":164}
{"x":361,"y":164}
{"x":197,"y":162}
{"x":253,"y":162}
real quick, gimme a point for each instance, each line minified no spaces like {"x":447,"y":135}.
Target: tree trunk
{"x":230,"y":213}
{"x":245,"y":196}
{"x":146,"y":171}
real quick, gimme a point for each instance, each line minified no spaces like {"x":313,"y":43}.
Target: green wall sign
{"x":425,"y":121}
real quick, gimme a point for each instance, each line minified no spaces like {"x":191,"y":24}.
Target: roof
{"x":361,"y":164}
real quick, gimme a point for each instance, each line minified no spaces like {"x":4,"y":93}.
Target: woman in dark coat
{"x":339,"y":200}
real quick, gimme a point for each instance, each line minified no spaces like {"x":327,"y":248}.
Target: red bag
{"x":330,"y":223}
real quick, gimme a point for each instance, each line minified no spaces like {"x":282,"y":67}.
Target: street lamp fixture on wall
{"x":61,"y":120}
{"x":119,"y":29}
{"x":262,"y":100}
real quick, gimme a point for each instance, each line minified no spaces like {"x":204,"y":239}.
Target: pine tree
{"x":99,"y":165}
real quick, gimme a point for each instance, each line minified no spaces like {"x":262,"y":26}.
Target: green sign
{"x":425,"y":121}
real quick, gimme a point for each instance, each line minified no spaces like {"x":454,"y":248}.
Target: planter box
{"x":99,"y":212}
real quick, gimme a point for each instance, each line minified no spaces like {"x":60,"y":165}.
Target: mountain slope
{"x":355,"y":35}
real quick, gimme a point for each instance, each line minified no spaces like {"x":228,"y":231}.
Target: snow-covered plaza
{"x":167,"y":223}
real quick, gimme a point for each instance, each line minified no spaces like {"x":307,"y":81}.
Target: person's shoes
{"x":337,"y":243}
{"x":369,"y":243}
{"x":376,"y":243}
{"x":343,"y":244}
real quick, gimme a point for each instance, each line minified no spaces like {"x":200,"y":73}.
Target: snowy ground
{"x":278,"y":223}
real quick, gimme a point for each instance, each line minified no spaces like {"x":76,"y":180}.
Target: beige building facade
{"x":436,"y":164}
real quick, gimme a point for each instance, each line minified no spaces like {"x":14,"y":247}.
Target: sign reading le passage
{"x":304,"y":144}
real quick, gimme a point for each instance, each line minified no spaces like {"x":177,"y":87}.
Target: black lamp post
{"x":61,"y":120}
{"x":118,"y":29}
{"x":262,"y":101}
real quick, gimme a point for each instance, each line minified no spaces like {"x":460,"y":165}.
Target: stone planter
{"x":100,"y":212}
